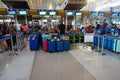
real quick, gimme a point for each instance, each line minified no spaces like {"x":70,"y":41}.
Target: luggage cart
{"x":12,"y":53}
{"x":88,"y":40}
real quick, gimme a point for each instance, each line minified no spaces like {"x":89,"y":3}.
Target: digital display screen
{"x":93,"y":13}
{"x":100,"y":13}
{"x":114,"y":14}
{"x":78,"y":13}
{"x":42,"y":12}
{"x":11,"y":12}
{"x":69,"y":13}
{"x":22,"y":12}
{"x":52,"y":12}
{"x":118,"y":13}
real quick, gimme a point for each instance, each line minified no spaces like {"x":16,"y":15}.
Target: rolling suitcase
{"x":95,"y":40}
{"x":100,"y":42}
{"x":34,"y":45}
{"x":109,"y":46}
{"x":59,"y":46}
{"x":44,"y":37}
{"x":66,"y":45}
{"x":51,"y":46}
{"x":105,"y":42}
{"x":116,"y":45}
{"x":46,"y":45}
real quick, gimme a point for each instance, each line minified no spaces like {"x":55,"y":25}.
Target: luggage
{"x":116,"y":45}
{"x":59,"y":46}
{"x":64,"y":37}
{"x":109,"y":46}
{"x":46,"y":45}
{"x":4,"y":44}
{"x":105,"y":42}
{"x":44,"y":37}
{"x":95,"y":40}
{"x":100,"y":42}
{"x":89,"y":30}
{"x":51,"y":46}
{"x":34,"y":43}
{"x":66,"y":45}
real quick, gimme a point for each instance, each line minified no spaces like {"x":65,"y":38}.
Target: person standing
{"x":97,"y":26}
{"x":45,"y":27}
{"x":12,"y":31}
{"x":103,"y":31}
{"x":61,"y":28}
{"x":4,"y":28}
{"x":25,"y":29}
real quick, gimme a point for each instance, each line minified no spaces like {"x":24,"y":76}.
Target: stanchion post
{"x":103,"y":45}
{"x":98,"y":44}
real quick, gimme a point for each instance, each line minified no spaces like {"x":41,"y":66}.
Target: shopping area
{"x":59,"y":40}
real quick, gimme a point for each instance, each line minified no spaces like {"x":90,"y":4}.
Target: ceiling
{"x":52,"y":4}
{"x":2,"y":5}
{"x":106,"y":4}
{"x":44,"y":4}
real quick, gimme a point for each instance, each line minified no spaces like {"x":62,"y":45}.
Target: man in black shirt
{"x":62,"y":28}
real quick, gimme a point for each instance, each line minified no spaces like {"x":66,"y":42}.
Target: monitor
{"x":100,"y":13}
{"x":42,"y":12}
{"x":114,"y":14}
{"x":52,"y":12}
{"x":69,"y":12}
{"x":119,"y":14}
{"x":22,"y":12}
{"x":78,"y":13}
{"x":11,"y":12}
{"x":93,"y":13}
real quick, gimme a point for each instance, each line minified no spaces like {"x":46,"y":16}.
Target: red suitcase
{"x":45,"y":45}
{"x":89,"y":30}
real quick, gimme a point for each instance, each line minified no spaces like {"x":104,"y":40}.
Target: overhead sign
{"x":3,"y":11}
{"x":33,"y":12}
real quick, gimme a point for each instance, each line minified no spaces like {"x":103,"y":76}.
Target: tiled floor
{"x":16,"y":67}
{"x":77,"y":64}
{"x":58,"y":66}
{"x":105,"y":67}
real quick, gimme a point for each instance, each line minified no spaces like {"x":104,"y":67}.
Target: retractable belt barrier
{"x":100,"y":43}
{"x":17,"y":46}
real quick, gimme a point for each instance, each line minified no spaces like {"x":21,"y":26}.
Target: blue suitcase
{"x":59,"y":46}
{"x":66,"y":45}
{"x":109,"y":46}
{"x":105,"y":42}
{"x":95,"y":40}
{"x":100,"y":42}
{"x":34,"y":44}
{"x":51,"y":46}
{"x":116,"y":45}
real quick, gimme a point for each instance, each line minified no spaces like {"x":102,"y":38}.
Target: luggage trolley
{"x":88,"y":40}
{"x":13,"y":46}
